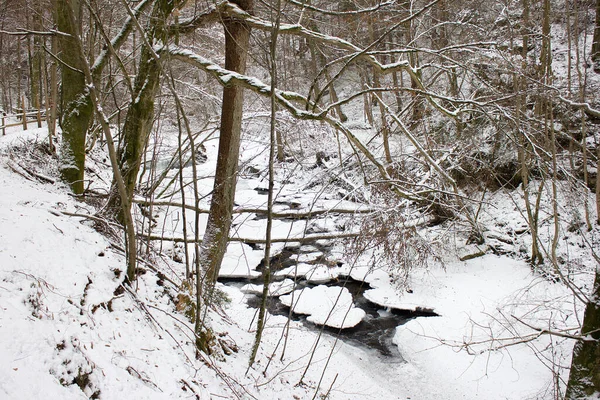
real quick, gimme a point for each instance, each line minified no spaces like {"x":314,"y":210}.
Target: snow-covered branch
{"x":584,"y":106}
{"x":308,"y":6}
{"x":283,"y":98}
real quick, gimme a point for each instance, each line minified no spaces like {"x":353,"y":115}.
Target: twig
{"x":543,"y":331}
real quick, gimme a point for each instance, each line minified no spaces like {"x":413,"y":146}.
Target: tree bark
{"x":214,"y":244}
{"x":75,"y":104}
{"x":140,"y":114}
{"x":584,"y":379}
{"x":76,"y":107}
{"x":596,"y":40}
{"x":597,"y":186}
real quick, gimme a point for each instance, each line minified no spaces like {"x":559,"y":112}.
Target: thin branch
{"x":543,"y":331}
{"x":342,"y":13}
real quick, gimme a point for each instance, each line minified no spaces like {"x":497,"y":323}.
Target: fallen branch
{"x":303,"y":239}
{"x":86,"y":216}
{"x":18,"y":170}
{"x":261,"y":211}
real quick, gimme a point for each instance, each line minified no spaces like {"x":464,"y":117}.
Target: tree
{"x":76,"y":107}
{"x":216,"y":235}
{"x":596,"y":40}
{"x":584,"y":378}
{"x":140,"y":114}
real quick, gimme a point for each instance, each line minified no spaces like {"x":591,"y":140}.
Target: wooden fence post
{"x":24,"y":113}
{"x":39,"y":114}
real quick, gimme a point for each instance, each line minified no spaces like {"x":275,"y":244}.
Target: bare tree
{"x":76,"y":107}
{"x":216,"y":235}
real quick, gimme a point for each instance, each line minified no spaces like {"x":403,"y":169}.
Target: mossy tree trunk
{"x":237,"y":36}
{"x":75,"y":103}
{"x":584,"y":379}
{"x":36,"y":59}
{"x":140,"y":114}
{"x":76,"y":107}
{"x":596,"y":40}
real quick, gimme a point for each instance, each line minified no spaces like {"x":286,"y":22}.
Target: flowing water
{"x":377,"y":328}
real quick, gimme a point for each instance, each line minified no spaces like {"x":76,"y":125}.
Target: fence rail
{"x":33,"y":115}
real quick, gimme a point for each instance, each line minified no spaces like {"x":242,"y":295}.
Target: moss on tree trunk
{"x":76,"y":107}
{"x":584,"y":379}
{"x":140,"y":114}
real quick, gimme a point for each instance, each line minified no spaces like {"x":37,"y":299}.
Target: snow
{"x":313,"y":273}
{"x":474,"y":307}
{"x":240,"y":261}
{"x":275,"y":289}
{"x":61,"y":311}
{"x":325,"y":305}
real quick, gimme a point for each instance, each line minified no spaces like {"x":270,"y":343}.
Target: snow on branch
{"x":308,"y":6}
{"x":584,"y":106}
{"x":228,"y":78}
{"x":226,"y":9}
{"x":230,"y":10}
{"x":284,"y":98}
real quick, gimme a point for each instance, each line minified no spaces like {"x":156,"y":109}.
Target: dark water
{"x":375,"y":331}
{"x":377,"y":328}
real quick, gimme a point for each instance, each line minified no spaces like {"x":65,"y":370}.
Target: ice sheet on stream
{"x":275,"y":289}
{"x":325,"y":305}
{"x":240,"y":261}
{"x":312,"y":273}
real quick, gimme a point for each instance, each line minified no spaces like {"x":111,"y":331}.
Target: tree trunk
{"x":76,"y":107}
{"x":598,"y":187}
{"x":367,"y":108}
{"x":140,"y":115}
{"x":237,"y":36}
{"x":584,"y":379}
{"x":53,"y":98}
{"x":35,"y":58}
{"x":596,"y":40}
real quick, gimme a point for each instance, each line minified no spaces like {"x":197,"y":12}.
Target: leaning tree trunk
{"x":76,"y":107}
{"x":584,"y":379}
{"x":140,"y":114}
{"x":237,"y":36}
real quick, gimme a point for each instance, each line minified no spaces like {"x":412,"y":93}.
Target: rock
{"x":499,"y":247}
{"x":471,"y":251}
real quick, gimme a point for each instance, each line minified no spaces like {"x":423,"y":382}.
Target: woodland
{"x":251,"y":161}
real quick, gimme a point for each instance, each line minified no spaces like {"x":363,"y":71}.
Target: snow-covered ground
{"x":69,"y":330}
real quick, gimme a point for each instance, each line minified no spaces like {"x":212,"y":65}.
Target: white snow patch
{"x":331,"y":306}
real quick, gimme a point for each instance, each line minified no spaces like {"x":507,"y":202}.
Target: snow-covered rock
{"x":275,"y":289}
{"x":330,"y":306}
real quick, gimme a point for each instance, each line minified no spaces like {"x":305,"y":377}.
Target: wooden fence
{"x":33,"y":115}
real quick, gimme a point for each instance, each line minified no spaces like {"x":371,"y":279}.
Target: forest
{"x":300,"y":199}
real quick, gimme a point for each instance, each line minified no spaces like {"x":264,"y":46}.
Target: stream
{"x":374,"y":331}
